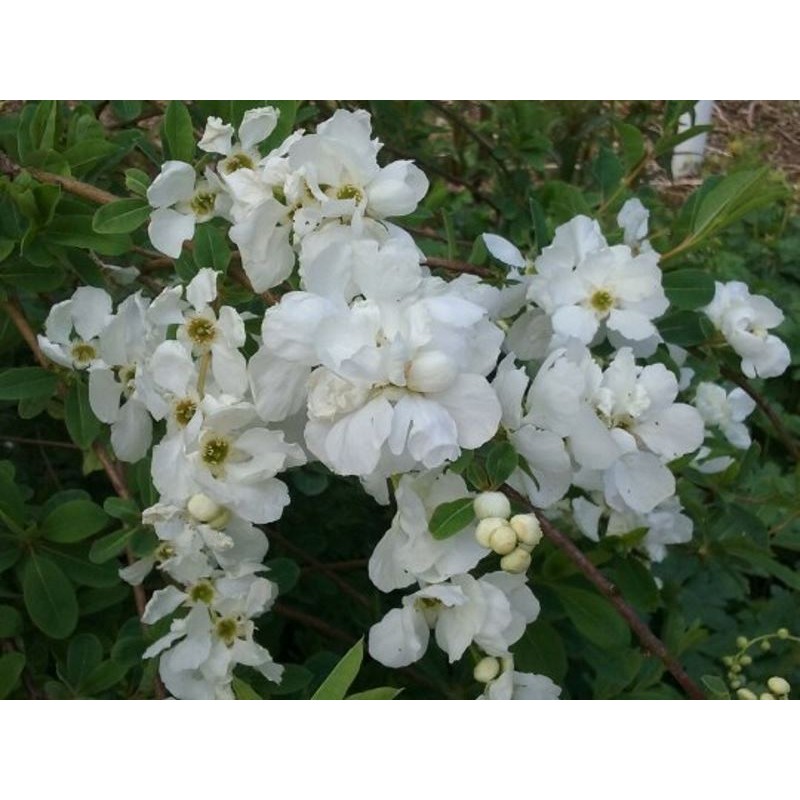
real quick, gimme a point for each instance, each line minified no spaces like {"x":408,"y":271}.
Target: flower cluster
{"x":369,"y":363}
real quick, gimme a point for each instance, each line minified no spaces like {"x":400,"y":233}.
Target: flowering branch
{"x":649,"y":640}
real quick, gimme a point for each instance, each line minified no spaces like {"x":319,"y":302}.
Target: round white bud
{"x":527,"y":528}
{"x":516,"y":562}
{"x":503,"y":540}
{"x":486,"y":527}
{"x":766,"y":696}
{"x":741,"y":642}
{"x":487,"y":669}
{"x":746,"y":694}
{"x":779,"y":686}
{"x":492,"y":504}
{"x":431,"y":372}
{"x":203,"y":508}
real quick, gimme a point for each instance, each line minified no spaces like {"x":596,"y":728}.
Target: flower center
{"x":202,"y":592}
{"x":235,"y":162}
{"x":164,"y":552}
{"x":83,"y":353}
{"x":227,"y":628}
{"x":602,"y":301}
{"x":350,"y":192}
{"x":214,"y":452}
{"x":202,"y":204}
{"x":184,"y":411}
{"x":201,"y":331}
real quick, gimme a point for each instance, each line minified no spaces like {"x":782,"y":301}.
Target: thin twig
{"x":459,"y":266}
{"x":780,"y":429}
{"x":17,"y":316}
{"x":38,"y":442}
{"x":649,"y":640}
{"x":310,"y":621}
{"x":338,"y":566}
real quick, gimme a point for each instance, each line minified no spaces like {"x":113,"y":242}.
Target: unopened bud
{"x":746,"y":694}
{"x":203,"y":508}
{"x":745,"y":661}
{"x":487,"y":669}
{"x":778,"y":686}
{"x":741,"y":642}
{"x":486,"y":527}
{"x":736,"y":669}
{"x":527,"y":528}
{"x":727,"y":660}
{"x":516,"y":562}
{"x":492,"y":504}
{"x":766,"y":696}
{"x":765,"y":645}
{"x":431,"y":372}
{"x":503,"y":540}
{"x":783,"y":633}
{"x":735,"y":683}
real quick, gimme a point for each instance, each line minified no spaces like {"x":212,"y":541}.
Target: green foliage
{"x":450,"y":518}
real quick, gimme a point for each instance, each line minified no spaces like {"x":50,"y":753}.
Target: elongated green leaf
{"x":83,"y":655}
{"x":137,"y":181}
{"x":73,"y":522}
{"x":244,"y":691}
{"x":717,"y":687}
{"x":594,"y":618}
{"x":450,"y":518}
{"x":211,"y":248}
{"x":380,"y":693}
{"x":23,"y":274}
{"x":109,"y":546}
{"x":103,"y":677}
{"x":123,"y":509}
{"x":335,"y":686}
{"x":177,"y":132}
{"x":10,"y":622}
{"x":24,"y":382}
{"x":126,"y":110}
{"x":83,"y":156}
{"x":689,"y":289}
{"x":685,"y":328}
{"x":501,"y":461}
{"x":11,"y":666}
{"x":73,"y":560}
{"x":49,"y":597}
{"x":632,"y":144}
{"x":75,"y":230}
{"x":122,"y":216}
{"x":82,"y":424}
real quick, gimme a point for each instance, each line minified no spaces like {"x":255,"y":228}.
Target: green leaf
{"x":632,"y":144}
{"x":177,"y":132}
{"x":335,"y":686}
{"x":10,"y":622}
{"x":25,"y":275}
{"x":501,"y":462}
{"x":75,"y":230}
{"x":85,"y":155}
{"x":83,"y":655}
{"x":295,"y":678}
{"x":6,"y":248}
{"x":73,"y":522}
{"x":594,"y":617}
{"x":717,"y":687}
{"x":23,"y":382}
{"x":11,"y":666}
{"x":380,"y":693}
{"x":76,"y":566}
{"x":103,"y":677}
{"x":309,"y":482}
{"x":689,"y":289}
{"x":541,"y":650}
{"x":685,"y":328}
{"x":49,"y":597}
{"x":126,"y":110}
{"x":109,"y":546}
{"x":122,"y":216}
{"x":284,"y":572}
{"x":137,"y":181}
{"x":450,"y":518}
{"x":82,"y":424}
{"x":244,"y":691}
{"x":123,"y":509}
{"x":211,"y":248}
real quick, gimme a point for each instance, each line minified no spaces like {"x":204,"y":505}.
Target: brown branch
{"x":17,"y":316}
{"x":786,"y":438}
{"x":648,"y":639}
{"x":310,"y":621}
{"x":73,"y":186}
{"x":286,"y":544}
{"x":39,"y":442}
{"x":458,"y":266}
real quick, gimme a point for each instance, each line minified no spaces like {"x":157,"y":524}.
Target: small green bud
{"x":741,"y":642}
{"x":783,"y":633}
{"x":746,"y":694}
{"x":746,"y":660}
{"x":727,"y":661}
{"x":765,"y":645}
{"x":778,"y":686}
{"x":736,"y":669}
{"x":736,"y":683}
{"x":766,"y":696}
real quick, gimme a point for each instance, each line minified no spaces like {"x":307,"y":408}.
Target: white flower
{"x":633,"y":218}
{"x":727,"y":411}
{"x":491,"y":611}
{"x":73,"y":326}
{"x":257,"y":124}
{"x":180,"y":201}
{"x":512,"y":685}
{"x":407,"y":552}
{"x":744,"y":320}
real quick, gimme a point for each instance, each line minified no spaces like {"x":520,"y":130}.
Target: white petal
{"x":673,"y":432}
{"x":131,"y":434}
{"x":230,"y":369}
{"x":641,"y":480}
{"x":474,"y":406}
{"x":257,"y":125}
{"x":503,"y":250}
{"x":163,"y":602}
{"x":202,"y":289}
{"x":104,"y":394}
{"x":174,"y":184}
{"x":168,"y":230}
{"x":216,"y":137}
{"x":575,"y":322}
{"x":400,"y":638}
{"x":91,"y":311}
